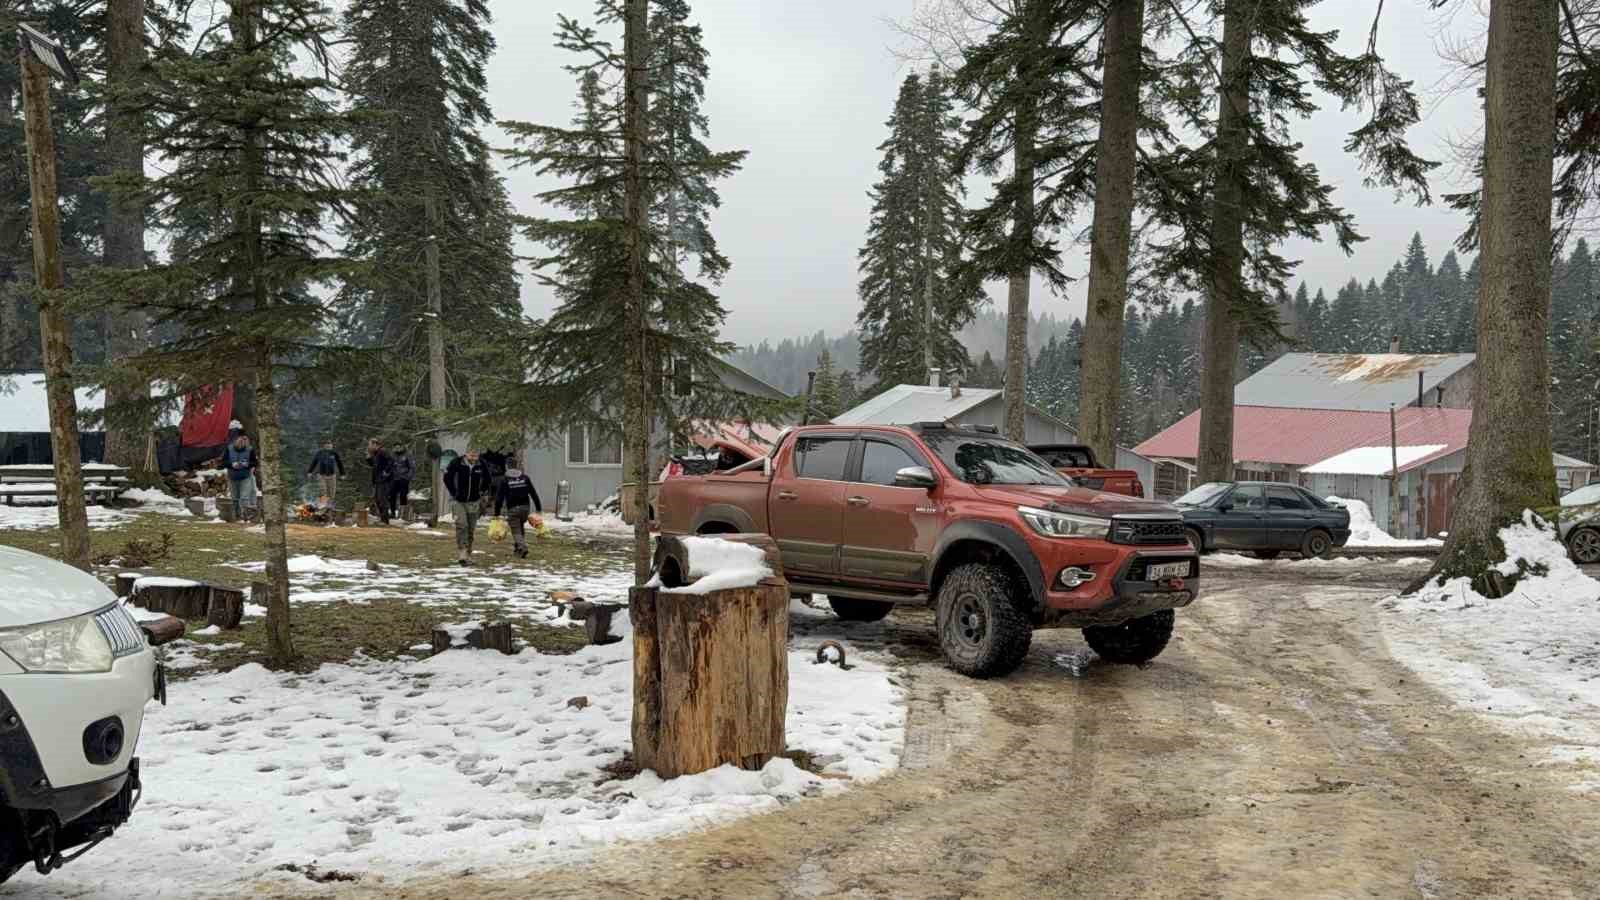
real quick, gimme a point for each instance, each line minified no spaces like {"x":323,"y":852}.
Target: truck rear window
{"x":822,"y":457}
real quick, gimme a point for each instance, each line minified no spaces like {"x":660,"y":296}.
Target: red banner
{"x":206,"y":414}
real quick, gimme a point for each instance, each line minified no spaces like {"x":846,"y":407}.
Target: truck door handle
{"x":857,"y":501}
{"x":788,"y":495}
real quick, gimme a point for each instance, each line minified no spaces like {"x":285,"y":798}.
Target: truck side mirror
{"x":916,"y":477}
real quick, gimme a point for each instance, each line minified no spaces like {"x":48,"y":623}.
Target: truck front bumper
{"x":1130,"y":594}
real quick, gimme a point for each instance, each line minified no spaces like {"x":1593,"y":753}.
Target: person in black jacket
{"x":382,"y":473}
{"x":467,"y":480}
{"x":400,"y":487}
{"x":517,"y":494}
{"x":328,"y":468}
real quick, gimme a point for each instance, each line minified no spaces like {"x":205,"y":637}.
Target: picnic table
{"x":101,"y":481}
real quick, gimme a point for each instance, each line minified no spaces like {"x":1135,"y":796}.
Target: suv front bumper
{"x":1128,"y":595}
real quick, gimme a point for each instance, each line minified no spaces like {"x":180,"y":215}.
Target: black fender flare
{"x":725,"y":512}
{"x":995,"y":534}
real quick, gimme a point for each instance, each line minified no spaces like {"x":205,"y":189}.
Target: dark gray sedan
{"x":1263,"y":517}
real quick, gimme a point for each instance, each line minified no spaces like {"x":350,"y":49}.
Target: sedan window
{"x":1248,"y":497}
{"x":1285,"y":498}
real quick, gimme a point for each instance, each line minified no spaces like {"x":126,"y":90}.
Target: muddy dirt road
{"x":1274,"y":751}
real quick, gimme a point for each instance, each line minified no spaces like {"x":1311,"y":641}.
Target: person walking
{"x":467,"y":480}
{"x":327,"y":467}
{"x":382,"y":474}
{"x":405,"y":468}
{"x":517,"y":494}
{"x":242,"y":463}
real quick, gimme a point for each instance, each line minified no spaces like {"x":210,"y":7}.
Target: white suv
{"x":75,"y":674}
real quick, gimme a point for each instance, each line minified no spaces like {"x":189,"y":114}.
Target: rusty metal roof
{"x":1350,"y":381}
{"x":1301,"y":437}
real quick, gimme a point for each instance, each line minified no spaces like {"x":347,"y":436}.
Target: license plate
{"x":1163,"y":571}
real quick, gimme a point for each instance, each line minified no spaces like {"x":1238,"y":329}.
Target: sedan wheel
{"x":1585,"y":545}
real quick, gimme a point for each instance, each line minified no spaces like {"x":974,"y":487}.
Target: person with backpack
{"x":241,"y":463}
{"x":405,"y":468}
{"x":517,"y":494}
{"x":468,"y":482}
{"x":382,"y":474}
{"x":328,"y":468}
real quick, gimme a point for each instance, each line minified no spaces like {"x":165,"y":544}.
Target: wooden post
{"x":54,"y":329}
{"x":710,"y":671}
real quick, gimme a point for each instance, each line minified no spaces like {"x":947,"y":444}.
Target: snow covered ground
{"x":1239,"y":561}
{"x":468,"y":759}
{"x":1364,"y":530}
{"x":1530,"y":661}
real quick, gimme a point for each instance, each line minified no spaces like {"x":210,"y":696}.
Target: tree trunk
{"x":1113,"y":225}
{"x":710,"y":677}
{"x":1508,"y":466}
{"x":1022,"y":226}
{"x":1215,"y":461}
{"x":436,"y":384}
{"x":54,"y":328}
{"x":930,"y":212}
{"x":124,"y":236}
{"x":636,"y":387}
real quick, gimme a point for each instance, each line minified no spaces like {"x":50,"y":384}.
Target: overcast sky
{"x":806,"y":88}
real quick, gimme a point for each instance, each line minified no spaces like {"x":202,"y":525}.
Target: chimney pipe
{"x":1394,"y":344}
{"x":1420,"y":401}
{"x":933,"y":377}
{"x":1438,"y":397}
{"x":955,"y":384}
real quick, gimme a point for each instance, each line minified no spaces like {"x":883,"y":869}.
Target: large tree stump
{"x":479,"y":636}
{"x":710,"y":670}
{"x":174,"y":596}
{"x":676,"y":566}
{"x":226,"y":609}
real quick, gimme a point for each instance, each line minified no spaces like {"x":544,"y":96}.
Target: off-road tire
{"x":1135,"y":641}
{"x":1267,"y":554}
{"x":1317,"y":544}
{"x":851,"y":609}
{"x":982,"y":630}
{"x":1584,"y":545}
{"x":1196,"y":538}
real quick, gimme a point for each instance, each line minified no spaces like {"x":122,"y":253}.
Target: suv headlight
{"x":70,"y":645}
{"x":1064,"y":525}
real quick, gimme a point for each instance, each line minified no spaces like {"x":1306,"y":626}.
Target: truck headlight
{"x":1064,"y":525}
{"x":71,"y":645}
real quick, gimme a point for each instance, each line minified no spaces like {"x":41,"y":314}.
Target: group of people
{"x":391,"y":476}
{"x":470,"y":482}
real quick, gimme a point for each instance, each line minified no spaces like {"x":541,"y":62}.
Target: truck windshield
{"x":984,"y":460}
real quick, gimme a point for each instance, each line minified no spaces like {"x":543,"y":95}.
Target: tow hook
{"x":822,"y":655}
{"x":1174,"y":584}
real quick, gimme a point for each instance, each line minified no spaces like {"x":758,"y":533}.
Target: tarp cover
{"x":206,"y":414}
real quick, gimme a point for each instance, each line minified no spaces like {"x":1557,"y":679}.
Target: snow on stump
{"x":710,"y":655}
{"x":476,"y":635}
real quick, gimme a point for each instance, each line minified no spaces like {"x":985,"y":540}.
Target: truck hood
{"x":36,"y":589}
{"x":1074,"y":500}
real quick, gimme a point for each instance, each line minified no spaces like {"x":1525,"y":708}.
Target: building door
{"x":1441,"y":491}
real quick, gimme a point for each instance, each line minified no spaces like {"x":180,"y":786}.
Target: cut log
{"x":677,"y":566}
{"x":173,"y":596}
{"x":196,"y":505}
{"x":479,"y":636}
{"x":597,"y":625}
{"x":710,"y":677}
{"x":361,"y":518}
{"x":226,"y":609}
{"x":122,"y":585}
{"x":163,"y":630}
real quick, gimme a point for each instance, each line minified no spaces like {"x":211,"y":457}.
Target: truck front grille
{"x":124,"y":634}
{"x":1147,"y":531}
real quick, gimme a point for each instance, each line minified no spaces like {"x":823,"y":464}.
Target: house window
{"x":593,"y":446}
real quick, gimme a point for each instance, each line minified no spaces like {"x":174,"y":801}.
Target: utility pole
{"x":42,"y":56}
{"x":930,"y":202}
{"x":1394,"y":475}
{"x":436,"y":396}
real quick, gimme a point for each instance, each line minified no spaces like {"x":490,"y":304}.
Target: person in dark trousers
{"x":242,"y":463}
{"x":382,"y":474}
{"x":329,"y":468}
{"x":517,"y":494}
{"x":405,"y":469}
{"x":467,"y":481}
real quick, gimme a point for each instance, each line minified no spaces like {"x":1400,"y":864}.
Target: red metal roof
{"x":1300,"y":437}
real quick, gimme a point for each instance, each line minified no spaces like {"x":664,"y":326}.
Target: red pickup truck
{"x":1077,"y":464}
{"x":977,"y":525}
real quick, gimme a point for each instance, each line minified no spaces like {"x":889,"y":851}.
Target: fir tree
{"x":849,"y":395}
{"x":913,"y":300}
{"x":988,"y":374}
{"x":1418,"y":298}
{"x":825,"y":402}
{"x":250,"y":148}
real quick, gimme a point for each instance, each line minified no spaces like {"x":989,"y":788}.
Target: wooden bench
{"x":101,"y":482}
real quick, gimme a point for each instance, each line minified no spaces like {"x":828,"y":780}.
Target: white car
{"x":1580,"y":527}
{"x":76,"y":672}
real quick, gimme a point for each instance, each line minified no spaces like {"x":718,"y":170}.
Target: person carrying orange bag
{"x":517,"y":495}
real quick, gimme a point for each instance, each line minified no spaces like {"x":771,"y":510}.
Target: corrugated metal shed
{"x":1300,"y":437}
{"x":1347,"y":381}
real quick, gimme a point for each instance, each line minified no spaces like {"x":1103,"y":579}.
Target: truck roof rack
{"x":929,"y":426}
{"x":985,"y":429}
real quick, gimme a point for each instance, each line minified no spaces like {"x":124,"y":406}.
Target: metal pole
{"x":1394,"y":475}
{"x":54,"y":328}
